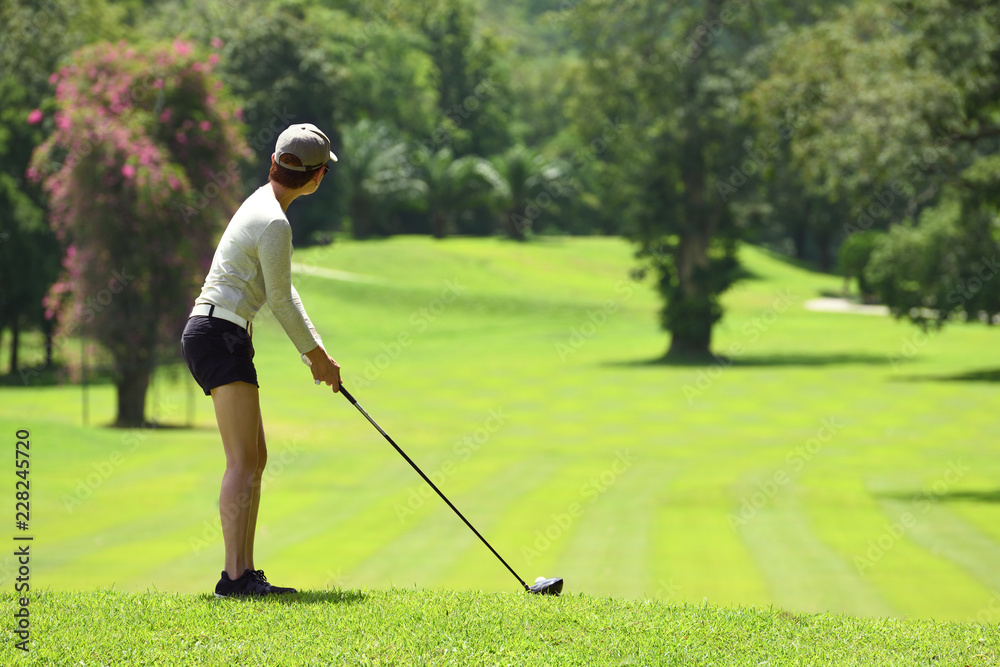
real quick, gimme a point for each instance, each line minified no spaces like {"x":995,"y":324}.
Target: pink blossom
{"x":62,"y":121}
{"x":239,"y":113}
{"x":181,"y":138}
{"x":158,"y":84}
{"x":53,"y":78}
{"x":32,"y":174}
{"x":174,"y":182}
{"x":196,"y":66}
{"x":216,"y":43}
{"x":205,"y":126}
{"x":128,"y":171}
{"x":213,"y":59}
{"x":35,"y":117}
{"x":182,"y":48}
{"x":165,"y":116}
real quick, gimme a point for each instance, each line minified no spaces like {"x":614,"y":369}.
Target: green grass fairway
{"x":829,"y":462}
{"x":413,"y":627}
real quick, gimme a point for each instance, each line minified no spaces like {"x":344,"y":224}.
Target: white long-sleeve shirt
{"x":253,"y":265}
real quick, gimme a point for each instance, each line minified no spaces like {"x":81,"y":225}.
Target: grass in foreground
{"x":413,"y":627}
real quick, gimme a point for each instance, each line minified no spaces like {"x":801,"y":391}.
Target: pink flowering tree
{"x":141,"y":172}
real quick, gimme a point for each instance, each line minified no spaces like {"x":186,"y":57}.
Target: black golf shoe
{"x":277,"y":590}
{"x":248,"y":585}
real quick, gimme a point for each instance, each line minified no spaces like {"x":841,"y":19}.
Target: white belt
{"x":211,"y":310}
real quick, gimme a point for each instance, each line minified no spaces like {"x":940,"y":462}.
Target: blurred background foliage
{"x":868,"y":128}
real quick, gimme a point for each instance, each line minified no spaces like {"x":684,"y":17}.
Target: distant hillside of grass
{"x":443,"y":627}
{"x":825,"y":463}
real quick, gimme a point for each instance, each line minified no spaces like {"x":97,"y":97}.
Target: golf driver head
{"x":551,"y":586}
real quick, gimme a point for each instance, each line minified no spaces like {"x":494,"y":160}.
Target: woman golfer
{"x":252,"y":265}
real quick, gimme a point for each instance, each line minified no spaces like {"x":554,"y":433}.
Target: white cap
{"x":306,"y":142}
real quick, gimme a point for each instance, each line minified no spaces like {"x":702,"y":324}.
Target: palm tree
{"x":375,"y":175}
{"x":451,"y":186}
{"x":532,"y":185}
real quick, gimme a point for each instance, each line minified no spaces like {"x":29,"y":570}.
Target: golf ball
{"x":540,"y":580}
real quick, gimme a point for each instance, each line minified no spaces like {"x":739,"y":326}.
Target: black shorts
{"x":217,"y":352}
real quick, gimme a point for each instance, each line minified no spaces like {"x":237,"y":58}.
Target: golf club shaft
{"x":413,"y":465}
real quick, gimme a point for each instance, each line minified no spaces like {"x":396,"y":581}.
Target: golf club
{"x":549,"y":586}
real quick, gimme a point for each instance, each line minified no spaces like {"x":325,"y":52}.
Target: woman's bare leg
{"x":237,"y":411}
{"x":255,"y":499}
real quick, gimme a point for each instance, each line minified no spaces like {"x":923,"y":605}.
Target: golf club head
{"x":551,"y":586}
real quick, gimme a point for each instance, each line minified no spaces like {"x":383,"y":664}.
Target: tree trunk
{"x":688,"y":315}
{"x":439,"y":224}
{"x":15,"y":341}
{"x":49,"y":342}
{"x":693,"y":342}
{"x":360,"y":218}
{"x":825,"y":254}
{"x":799,"y":236}
{"x":132,"y":387}
{"x":516,"y":225}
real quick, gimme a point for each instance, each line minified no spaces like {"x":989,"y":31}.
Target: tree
{"x":657,"y":102}
{"x":142,"y":171}
{"x":452,"y":186}
{"x":855,"y":255}
{"x":472,"y":98}
{"x":531,"y":185}
{"x":375,"y":177}
{"x":904,"y":131}
{"x":35,"y":37}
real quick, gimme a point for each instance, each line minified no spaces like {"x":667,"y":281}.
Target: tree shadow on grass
{"x":964,"y":496}
{"x":986,"y":375}
{"x":759,"y":360}
{"x":302,"y":597}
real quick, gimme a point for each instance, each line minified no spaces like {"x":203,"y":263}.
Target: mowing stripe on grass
{"x":432,"y":547}
{"x":946,"y":535}
{"x":803,"y":572}
{"x":610,"y":542}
